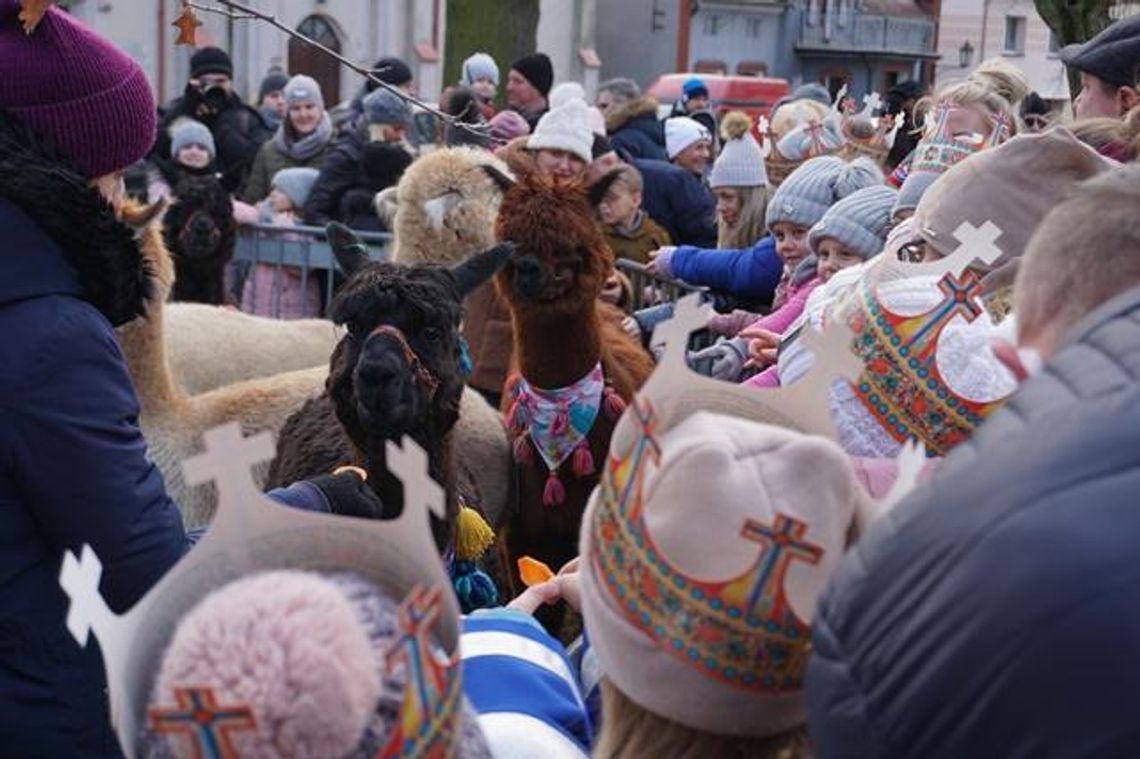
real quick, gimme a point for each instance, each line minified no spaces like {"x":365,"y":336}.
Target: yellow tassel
{"x":473,"y":536}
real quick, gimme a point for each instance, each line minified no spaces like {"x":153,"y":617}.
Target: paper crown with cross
{"x":904,"y":384}
{"x":867,"y":134}
{"x":811,"y":137}
{"x":941,"y":147}
{"x":251,"y":534}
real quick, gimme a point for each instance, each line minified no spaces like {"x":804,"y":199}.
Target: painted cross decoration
{"x":959,"y":300}
{"x":203,"y":720}
{"x":783,"y":542}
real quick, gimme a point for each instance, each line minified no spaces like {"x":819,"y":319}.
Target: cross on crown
{"x":871,"y":103}
{"x":409,"y":462}
{"x":783,"y":542}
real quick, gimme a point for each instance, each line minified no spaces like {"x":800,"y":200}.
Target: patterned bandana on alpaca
{"x":557,"y":422}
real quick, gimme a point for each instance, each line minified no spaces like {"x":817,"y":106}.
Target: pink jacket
{"x":272,"y":290}
{"x":777,"y":321}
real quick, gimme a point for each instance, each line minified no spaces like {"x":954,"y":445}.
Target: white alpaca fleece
{"x":447,"y":207}
{"x":173,"y":420}
{"x":211,"y":346}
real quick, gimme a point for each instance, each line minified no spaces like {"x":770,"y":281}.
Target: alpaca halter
{"x":420,"y":373}
{"x":558,"y":422}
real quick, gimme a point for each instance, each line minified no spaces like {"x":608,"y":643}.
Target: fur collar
{"x":111,"y":271}
{"x":620,"y":115}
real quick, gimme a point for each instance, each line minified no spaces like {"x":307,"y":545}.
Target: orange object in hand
{"x":534,"y":572}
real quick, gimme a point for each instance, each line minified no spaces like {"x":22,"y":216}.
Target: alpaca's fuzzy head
{"x":447,"y":206}
{"x":400,"y":367}
{"x":561,"y":260}
{"x":200,"y":226}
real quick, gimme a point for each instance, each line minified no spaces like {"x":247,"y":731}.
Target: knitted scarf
{"x":308,"y":146}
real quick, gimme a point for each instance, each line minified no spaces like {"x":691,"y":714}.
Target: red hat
{"x":76,"y":90}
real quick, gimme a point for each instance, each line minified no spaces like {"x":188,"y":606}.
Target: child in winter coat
{"x":191,"y":152}
{"x":629,"y":231}
{"x":275,"y":290}
{"x":799,"y":203}
{"x":852,"y":231}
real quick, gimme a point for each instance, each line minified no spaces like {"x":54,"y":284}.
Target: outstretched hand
{"x":763,"y":346}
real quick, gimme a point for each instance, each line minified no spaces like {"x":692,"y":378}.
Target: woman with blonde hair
{"x":1118,"y":139}
{"x":962,"y":118}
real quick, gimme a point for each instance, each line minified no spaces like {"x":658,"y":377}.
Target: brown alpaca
{"x":561,"y":333}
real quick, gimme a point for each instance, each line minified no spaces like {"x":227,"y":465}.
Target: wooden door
{"x":306,"y":59}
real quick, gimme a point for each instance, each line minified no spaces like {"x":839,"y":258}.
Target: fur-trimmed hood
{"x":620,"y":115}
{"x":64,"y":237}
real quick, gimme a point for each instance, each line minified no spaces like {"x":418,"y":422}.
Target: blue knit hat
{"x":804,"y":197}
{"x":859,"y":222}
{"x":384,"y":107}
{"x":296,"y":183}
{"x":694,"y":87}
{"x":191,"y":132}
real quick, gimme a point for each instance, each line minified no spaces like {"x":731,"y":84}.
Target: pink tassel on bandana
{"x":554,"y":494}
{"x":613,"y":404}
{"x":521,"y":449}
{"x":582,"y":461}
{"x":517,"y":418}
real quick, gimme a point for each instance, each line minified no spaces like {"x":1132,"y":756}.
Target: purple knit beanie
{"x":76,"y":90}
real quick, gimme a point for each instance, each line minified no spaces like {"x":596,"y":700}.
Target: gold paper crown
{"x":251,"y":533}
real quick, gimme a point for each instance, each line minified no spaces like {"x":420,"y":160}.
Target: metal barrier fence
{"x":281,"y":271}
{"x":650,"y":289}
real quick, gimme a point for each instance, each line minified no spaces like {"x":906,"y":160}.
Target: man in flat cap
{"x":1109,"y":65}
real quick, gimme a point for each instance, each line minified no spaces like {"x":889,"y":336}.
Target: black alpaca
{"x":398,"y":371}
{"x":200,"y":233}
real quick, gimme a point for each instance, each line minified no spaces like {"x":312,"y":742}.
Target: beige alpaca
{"x":211,"y":346}
{"x":172,"y":420}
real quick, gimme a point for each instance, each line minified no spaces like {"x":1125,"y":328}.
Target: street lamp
{"x":965,"y":55}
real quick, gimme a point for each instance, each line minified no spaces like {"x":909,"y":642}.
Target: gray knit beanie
{"x":384,"y":107}
{"x":303,"y":89}
{"x":804,"y":197}
{"x":858,"y":222}
{"x":740,"y":164}
{"x":479,"y":66}
{"x":296,"y":183}
{"x":191,"y":132}
{"x":913,"y":188}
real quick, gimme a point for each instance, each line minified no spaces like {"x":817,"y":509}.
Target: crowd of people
{"x":744,"y":588}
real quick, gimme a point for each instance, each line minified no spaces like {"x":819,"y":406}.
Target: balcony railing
{"x":856,"y":32}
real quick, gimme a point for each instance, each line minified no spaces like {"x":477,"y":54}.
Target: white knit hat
{"x":711,"y":627}
{"x":681,"y":132}
{"x":479,"y":66}
{"x":565,"y":128}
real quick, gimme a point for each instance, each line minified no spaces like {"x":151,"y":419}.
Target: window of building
{"x":1054,"y":43}
{"x":712,"y":25}
{"x":710,"y":66}
{"x":752,"y":68}
{"x":755,"y":26}
{"x":1014,"y":35}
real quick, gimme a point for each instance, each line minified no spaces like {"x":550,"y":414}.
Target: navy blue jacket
{"x":677,"y":200}
{"x":73,"y":464}
{"x":634,"y":130}
{"x":996,"y":611}
{"x":748,"y":273}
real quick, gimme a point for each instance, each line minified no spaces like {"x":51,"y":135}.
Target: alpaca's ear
{"x":350,"y":252}
{"x":480,"y":267}
{"x":598,"y":190}
{"x":504,"y":181}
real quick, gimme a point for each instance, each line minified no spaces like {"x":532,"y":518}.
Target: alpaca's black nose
{"x":383,"y":377}
{"x":529,"y":275}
